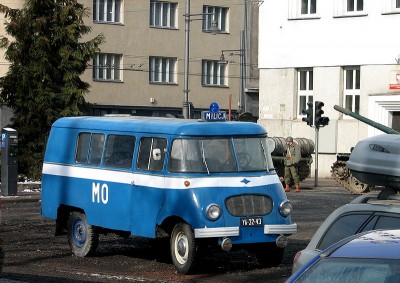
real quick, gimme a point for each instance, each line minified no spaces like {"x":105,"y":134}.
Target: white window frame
{"x":341,"y":9}
{"x":390,"y":6}
{"x":162,"y":70}
{"x":107,"y":67}
{"x":213,"y":13}
{"x":296,"y":7}
{"x":108,"y":11}
{"x":214,"y":73}
{"x":306,"y":75}
{"x":351,"y":89}
{"x":163,"y":14}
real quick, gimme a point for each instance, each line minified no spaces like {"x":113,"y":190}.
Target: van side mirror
{"x":156,"y":154}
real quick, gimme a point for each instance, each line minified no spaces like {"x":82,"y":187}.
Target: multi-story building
{"x":140,"y":69}
{"x":340,"y":52}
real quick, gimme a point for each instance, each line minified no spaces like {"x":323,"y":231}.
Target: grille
{"x":249,"y":205}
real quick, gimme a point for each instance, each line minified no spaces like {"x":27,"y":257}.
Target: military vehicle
{"x":376,"y":161}
{"x":352,"y":180}
{"x":278,"y":148}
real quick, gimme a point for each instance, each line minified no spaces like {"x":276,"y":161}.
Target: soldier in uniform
{"x":292,"y":157}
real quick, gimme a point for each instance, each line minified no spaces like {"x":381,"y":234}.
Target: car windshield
{"x":219,"y":155}
{"x":351,"y":270}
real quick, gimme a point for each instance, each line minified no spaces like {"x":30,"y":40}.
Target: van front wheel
{"x":183,"y":248}
{"x":82,"y":238}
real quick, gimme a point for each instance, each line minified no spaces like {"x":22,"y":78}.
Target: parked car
{"x":365,"y":213}
{"x":372,"y":256}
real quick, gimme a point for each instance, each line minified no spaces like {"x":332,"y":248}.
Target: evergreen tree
{"x":47,"y":56}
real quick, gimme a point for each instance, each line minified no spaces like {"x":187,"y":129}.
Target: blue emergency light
{"x":214,"y":114}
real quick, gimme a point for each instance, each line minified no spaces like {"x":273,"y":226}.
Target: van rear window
{"x":118,"y":150}
{"x":89,"y":148}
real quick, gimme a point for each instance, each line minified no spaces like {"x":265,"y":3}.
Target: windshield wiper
{"x":265,"y":157}
{"x":203,"y":157}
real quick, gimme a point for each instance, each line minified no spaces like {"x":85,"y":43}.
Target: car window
{"x":151,"y":154}
{"x":343,"y":227}
{"x":386,"y":222}
{"x":89,"y":148}
{"x":119,"y":151}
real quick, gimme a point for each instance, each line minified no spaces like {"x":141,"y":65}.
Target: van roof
{"x":158,"y":125}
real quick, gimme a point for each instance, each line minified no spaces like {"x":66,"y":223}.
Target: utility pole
{"x":185,"y":104}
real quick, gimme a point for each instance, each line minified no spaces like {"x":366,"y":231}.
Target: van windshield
{"x":219,"y":155}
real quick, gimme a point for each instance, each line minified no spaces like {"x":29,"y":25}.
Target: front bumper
{"x":278,"y":229}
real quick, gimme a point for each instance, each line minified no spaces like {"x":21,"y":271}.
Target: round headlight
{"x":285,"y":208}
{"x":213,"y":212}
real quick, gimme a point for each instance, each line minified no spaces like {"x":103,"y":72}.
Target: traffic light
{"x":319,"y":120}
{"x":309,"y":112}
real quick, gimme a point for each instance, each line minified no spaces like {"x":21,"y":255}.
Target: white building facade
{"x":340,"y":52}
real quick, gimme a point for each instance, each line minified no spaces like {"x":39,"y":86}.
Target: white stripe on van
{"x":161,"y":182}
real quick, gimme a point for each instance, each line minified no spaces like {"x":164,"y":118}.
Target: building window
{"x":390,"y":6}
{"x":299,"y":9}
{"x":107,"y":66}
{"x":305,"y":82}
{"x":163,"y":14}
{"x":395,"y":120}
{"x":213,"y":73}
{"x":355,"y":5}
{"x":349,"y":8}
{"x":107,"y":11}
{"x":308,"y":7}
{"x":218,"y":15}
{"x":162,"y":70}
{"x":352,"y":89}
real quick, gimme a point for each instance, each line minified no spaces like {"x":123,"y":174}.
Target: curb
{"x":31,"y":197}
{"x":26,"y":192}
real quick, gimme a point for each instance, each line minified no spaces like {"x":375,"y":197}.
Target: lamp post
{"x":185,"y":105}
{"x":242,"y":71}
{"x":214,"y":29}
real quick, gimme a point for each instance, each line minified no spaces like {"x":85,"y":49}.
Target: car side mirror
{"x":156,"y":154}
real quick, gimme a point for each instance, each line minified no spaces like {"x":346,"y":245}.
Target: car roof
{"x":362,"y":203}
{"x":383,"y":244}
{"x":158,"y":125}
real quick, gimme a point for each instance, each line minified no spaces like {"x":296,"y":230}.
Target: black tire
{"x":82,"y":238}
{"x":183,"y":248}
{"x":268,"y":255}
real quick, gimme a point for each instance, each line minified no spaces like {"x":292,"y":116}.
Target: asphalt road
{"x":34,"y":254}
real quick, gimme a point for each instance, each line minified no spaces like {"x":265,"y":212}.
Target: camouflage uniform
{"x":292,"y":157}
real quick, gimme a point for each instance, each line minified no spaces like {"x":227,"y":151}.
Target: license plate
{"x":251,"y":222}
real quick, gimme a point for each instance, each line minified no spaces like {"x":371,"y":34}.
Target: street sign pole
{"x":316,"y":156}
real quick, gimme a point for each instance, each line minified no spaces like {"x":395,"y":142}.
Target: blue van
{"x":198,"y":183}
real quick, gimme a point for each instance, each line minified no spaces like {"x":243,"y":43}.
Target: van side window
{"x":119,"y":151}
{"x":151,"y":154}
{"x":89,"y":148}
{"x":82,"y":148}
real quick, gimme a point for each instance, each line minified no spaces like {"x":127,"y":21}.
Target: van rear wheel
{"x":82,"y":238}
{"x":183,"y":248}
